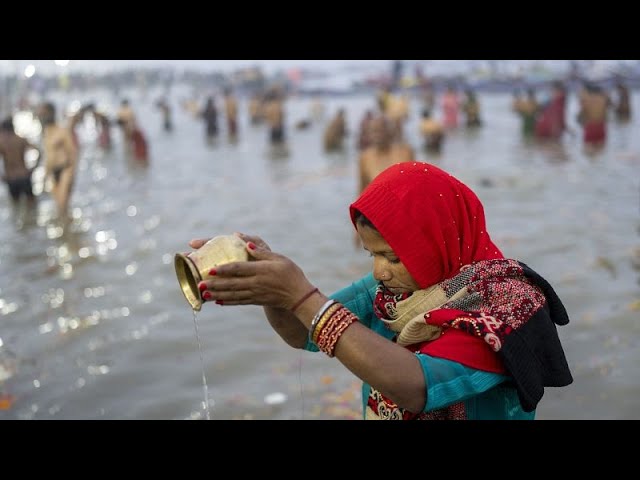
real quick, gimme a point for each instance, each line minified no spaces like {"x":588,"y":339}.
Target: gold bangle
{"x":317,"y":331}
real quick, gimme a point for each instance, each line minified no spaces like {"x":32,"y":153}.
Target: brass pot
{"x":194,"y":267}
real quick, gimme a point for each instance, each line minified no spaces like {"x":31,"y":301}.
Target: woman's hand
{"x":199,"y":242}
{"x":269,"y":279}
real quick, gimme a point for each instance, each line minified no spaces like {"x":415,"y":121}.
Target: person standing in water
{"x":471,"y":109}
{"x":594,"y":105}
{"x":104,"y":127}
{"x":13,"y":150}
{"x":432,"y":132}
{"x":135,"y":141}
{"x":61,"y":158}
{"x":274,"y":115}
{"x":363,"y":134}
{"x":336,"y":132}
{"x":443,"y":327}
{"x":623,"y":102}
{"x":397,"y":113}
{"x":450,"y":103}
{"x":231,"y":113}
{"x":382,"y":152}
{"x":527,"y":108}
{"x":126,"y":119}
{"x":550,"y":122}
{"x":165,"y":110}
{"x":210,"y":116}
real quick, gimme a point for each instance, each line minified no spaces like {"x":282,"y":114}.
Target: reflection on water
{"x":94,"y":324}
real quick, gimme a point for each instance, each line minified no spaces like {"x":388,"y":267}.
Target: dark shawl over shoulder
{"x":533,"y":353}
{"x":515,"y":311}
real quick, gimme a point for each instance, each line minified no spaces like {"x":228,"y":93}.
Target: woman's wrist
{"x":304,"y":298}
{"x":310,"y":307}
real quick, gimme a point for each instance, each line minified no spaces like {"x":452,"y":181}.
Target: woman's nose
{"x":379,"y":271}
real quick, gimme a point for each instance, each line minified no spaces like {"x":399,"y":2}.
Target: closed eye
{"x":394,"y":260}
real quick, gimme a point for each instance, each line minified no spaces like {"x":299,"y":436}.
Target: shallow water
{"x":93,"y":324}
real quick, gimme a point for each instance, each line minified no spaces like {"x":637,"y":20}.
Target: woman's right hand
{"x":199,"y":242}
{"x":268,"y":280}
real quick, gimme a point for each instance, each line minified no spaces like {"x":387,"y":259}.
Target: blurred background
{"x":93,"y":324}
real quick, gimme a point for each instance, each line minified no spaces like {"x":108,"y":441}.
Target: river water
{"x":94,"y":326}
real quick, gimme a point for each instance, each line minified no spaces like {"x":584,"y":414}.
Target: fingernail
{"x":212,"y":271}
{"x":207,"y":296}
{"x":251,"y":245}
{"x":219,"y":302}
{"x":202,"y":286}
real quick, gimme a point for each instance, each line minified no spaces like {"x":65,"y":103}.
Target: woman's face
{"x":387,"y":267}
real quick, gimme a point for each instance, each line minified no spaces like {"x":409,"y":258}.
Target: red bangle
{"x":301,"y":301}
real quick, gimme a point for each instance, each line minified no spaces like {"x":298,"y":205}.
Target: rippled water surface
{"x":93,"y":325}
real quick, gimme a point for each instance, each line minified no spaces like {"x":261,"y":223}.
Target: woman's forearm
{"x":390,"y":368}
{"x":287,"y":325}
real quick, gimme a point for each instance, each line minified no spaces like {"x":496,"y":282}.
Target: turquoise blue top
{"x":487,"y":396}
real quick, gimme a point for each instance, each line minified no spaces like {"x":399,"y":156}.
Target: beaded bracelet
{"x":333,"y":329}
{"x":333,"y":341}
{"x":323,"y":334}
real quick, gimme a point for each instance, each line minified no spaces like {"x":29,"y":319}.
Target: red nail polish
{"x":206,"y":295}
{"x":251,"y":245}
{"x":202,"y":286}
{"x":212,"y":271}
{"x":219,"y":302}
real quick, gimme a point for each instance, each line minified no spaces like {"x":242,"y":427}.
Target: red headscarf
{"x":431,"y":220}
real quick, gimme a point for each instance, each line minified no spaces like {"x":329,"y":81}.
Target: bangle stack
{"x":317,"y":317}
{"x":329,"y":324}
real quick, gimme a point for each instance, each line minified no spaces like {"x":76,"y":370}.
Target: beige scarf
{"x":410,"y":325}
{"x":409,"y":320}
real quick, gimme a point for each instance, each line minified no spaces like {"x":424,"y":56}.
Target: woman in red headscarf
{"x":444,"y":327}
